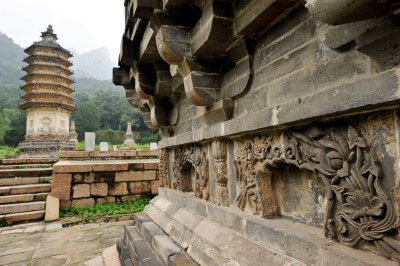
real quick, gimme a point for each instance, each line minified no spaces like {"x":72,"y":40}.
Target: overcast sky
{"x":79,"y":24}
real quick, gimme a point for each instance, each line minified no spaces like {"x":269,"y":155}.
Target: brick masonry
{"x":85,"y":183}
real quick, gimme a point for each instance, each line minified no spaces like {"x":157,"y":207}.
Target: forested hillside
{"x":102,"y":106}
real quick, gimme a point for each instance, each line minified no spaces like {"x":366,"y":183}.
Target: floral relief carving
{"x":359,"y":208}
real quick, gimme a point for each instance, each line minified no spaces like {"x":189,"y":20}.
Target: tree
{"x":16,"y":120}
{"x":3,"y":128}
{"x":86,"y":118}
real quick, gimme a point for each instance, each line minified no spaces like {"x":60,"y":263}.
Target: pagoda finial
{"x":49,"y":33}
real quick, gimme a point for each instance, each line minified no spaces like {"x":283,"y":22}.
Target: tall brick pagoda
{"x":47,"y":96}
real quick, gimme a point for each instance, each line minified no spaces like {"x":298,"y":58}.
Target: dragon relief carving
{"x":186,"y":159}
{"x":358,"y":207}
{"x":220,"y":173}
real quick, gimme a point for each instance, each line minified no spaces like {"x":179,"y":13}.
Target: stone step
{"x":4,"y":173}
{"x":145,"y":241}
{"x":24,"y":180}
{"x":23,"y":198}
{"x":25,"y":166}
{"x":139,"y":250}
{"x":24,"y":189}
{"x":22,"y":207}
{"x":25,"y":216}
{"x":23,"y":161}
{"x":237,"y":234}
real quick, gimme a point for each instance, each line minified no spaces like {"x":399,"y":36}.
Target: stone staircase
{"x":24,"y":186}
{"x":144,"y":243}
{"x":177,"y":228}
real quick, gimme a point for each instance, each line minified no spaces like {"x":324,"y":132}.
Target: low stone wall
{"x":109,"y":155}
{"x":85,"y":183}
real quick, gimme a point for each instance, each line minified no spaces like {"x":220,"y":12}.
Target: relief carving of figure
{"x":246,"y":177}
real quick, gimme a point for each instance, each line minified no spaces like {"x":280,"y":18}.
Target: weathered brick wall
{"x":94,"y":182}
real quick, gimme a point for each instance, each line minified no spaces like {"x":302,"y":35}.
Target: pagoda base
{"x":44,"y":148}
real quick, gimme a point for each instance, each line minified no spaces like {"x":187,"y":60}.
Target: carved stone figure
{"x":246,"y":179}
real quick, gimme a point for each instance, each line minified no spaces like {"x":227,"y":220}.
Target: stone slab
{"x":135,"y":175}
{"x":103,"y":146}
{"x":90,"y":139}
{"x":61,"y":186}
{"x":110,"y":256}
{"x":52,"y":209}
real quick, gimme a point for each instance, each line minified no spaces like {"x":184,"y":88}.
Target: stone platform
{"x":44,"y":149}
{"x":177,"y":228}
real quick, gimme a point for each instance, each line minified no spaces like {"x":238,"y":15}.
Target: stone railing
{"x":85,"y":183}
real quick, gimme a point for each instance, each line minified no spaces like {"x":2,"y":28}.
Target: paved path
{"x":67,"y":246}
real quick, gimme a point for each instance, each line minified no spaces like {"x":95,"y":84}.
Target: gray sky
{"x":79,"y":24}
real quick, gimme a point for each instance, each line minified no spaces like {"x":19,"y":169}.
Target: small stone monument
{"x":115,"y":148}
{"x":90,"y":138}
{"x":103,"y":146}
{"x":153,"y":146}
{"x":129,"y":136}
{"x":73,"y":136}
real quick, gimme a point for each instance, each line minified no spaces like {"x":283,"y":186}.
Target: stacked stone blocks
{"x":87,"y":183}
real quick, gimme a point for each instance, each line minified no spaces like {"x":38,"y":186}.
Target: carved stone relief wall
{"x":359,"y":210}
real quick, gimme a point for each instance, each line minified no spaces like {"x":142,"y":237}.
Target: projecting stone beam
{"x":127,"y":52}
{"x":346,"y":11}
{"x":144,"y":8}
{"x":120,"y":76}
{"x":213,"y":33}
{"x":254,"y":17}
{"x":173,"y":43}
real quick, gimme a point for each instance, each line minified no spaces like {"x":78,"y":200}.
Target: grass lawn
{"x":6,"y":150}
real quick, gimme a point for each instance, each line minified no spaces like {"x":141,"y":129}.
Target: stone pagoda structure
{"x":279,"y":124}
{"x":129,"y":140}
{"x":47,"y":96}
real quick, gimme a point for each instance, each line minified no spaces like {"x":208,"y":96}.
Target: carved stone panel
{"x":190,"y":170}
{"x":359,"y":208}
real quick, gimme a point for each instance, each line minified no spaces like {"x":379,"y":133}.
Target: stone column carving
{"x":220,"y":173}
{"x":129,"y":136}
{"x":72,"y":133}
{"x":164,"y":169}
